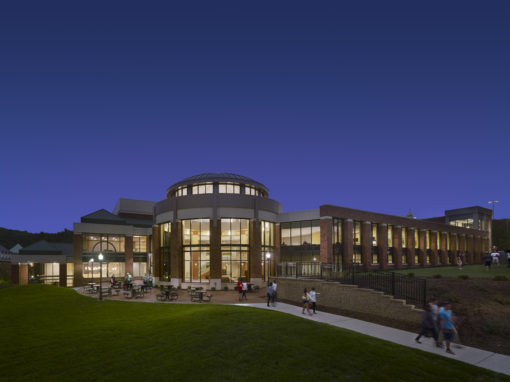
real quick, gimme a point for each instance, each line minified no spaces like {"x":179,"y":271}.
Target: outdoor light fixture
{"x":91,"y":265}
{"x":100,"y":258}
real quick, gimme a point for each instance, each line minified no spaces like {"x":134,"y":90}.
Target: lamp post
{"x":100,"y":258}
{"x":493,"y":202}
{"x":268,"y":258}
{"x":91,"y":265}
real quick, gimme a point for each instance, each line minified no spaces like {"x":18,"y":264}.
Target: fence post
{"x":393,"y":284}
{"x":424,"y":292}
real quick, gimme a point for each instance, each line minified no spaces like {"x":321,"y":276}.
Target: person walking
{"x":428,"y":326}
{"x":306,"y":302}
{"x":313,"y":299}
{"x":487,"y":258}
{"x":447,"y":325}
{"x":244,"y":290}
{"x":269,"y":293}
{"x":275,"y":286}
{"x":508,"y":258}
{"x":240,"y":288}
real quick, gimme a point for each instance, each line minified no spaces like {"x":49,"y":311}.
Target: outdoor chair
{"x":195,"y":297}
{"x":173,"y":296}
{"x":161,"y":297}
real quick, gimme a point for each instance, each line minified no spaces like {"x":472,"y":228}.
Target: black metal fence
{"x":411,"y":289}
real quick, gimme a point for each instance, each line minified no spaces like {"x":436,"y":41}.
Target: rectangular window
{"x":404,"y":237}
{"x":306,"y":232}
{"x":285,"y":232}
{"x":374,"y":235}
{"x":103,"y":243}
{"x":438,"y":239}
{"x":448,"y":241}
{"x":139,"y":244}
{"x":164,"y":234}
{"x":356,"y":234}
{"x":427,"y":239}
{"x":316,"y":232}
{"x":337,"y":231}
{"x":295,"y":233}
{"x":267,"y":231}
{"x":390,"y":238}
{"x":416,"y":238}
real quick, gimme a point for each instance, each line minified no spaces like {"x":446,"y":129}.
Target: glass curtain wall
{"x":356,"y":242}
{"x":96,"y":243}
{"x":196,"y":250}
{"x":375,"y":243}
{"x":390,"y":244}
{"x":165,"y":230}
{"x":267,"y":241}
{"x":338,"y":250}
{"x":235,"y":246}
{"x":404,"y":245}
{"x":306,"y":232}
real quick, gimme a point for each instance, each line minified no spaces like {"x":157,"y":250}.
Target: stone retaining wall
{"x":349,"y":298}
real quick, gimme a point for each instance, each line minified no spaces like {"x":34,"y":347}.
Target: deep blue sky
{"x":382,"y":106}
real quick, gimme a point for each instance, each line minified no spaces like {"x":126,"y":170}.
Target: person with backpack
{"x":270,"y":293}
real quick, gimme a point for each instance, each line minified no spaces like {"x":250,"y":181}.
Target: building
{"x":214,"y":228}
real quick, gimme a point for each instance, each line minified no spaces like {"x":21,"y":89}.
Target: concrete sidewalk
{"x":488,"y":360}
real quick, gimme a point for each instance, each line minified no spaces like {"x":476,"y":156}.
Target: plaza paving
{"x":482,"y":358}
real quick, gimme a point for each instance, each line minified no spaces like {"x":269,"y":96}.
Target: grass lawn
{"x":473,"y":271}
{"x":54,"y":334}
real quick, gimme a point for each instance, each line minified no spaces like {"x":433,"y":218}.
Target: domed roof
{"x":217,"y":177}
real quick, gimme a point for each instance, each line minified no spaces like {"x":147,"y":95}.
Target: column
{"x":77,"y":260}
{"x":255,"y":255}
{"x":444,"y":253}
{"x":382,"y":243}
{"x":326,"y":250}
{"x":477,"y":252}
{"x":462,"y":246}
{"x":347,"y":227}
{"x":62,"y":275}
{"x":176,"y":254}
{"x":15,"y":274}
{"x":277,"y":243}
{"x":453,"y":247}
{"x":366,"y":244}
{"x":129,"y":254}
{"x":156,"y":254}
{"x":433,"y":248}
{"x":215,"y":278}
{"x":423,"y":247}
{"x":397,"y":246}
{"x":470,"y":248}
{"x":410,"y":246}
{"x":23,"y":274}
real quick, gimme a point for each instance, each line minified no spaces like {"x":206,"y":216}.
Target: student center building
{"x":212,"y":229}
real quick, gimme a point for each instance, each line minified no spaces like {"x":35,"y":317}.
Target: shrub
{"x":213,"y":288}
{"x":411,"y":274}
{"x":438,"y":276}
{"x":500,"y":278}
{"x":225,"y":287}
{"x":463,"y":277}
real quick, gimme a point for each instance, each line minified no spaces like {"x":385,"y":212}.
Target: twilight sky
{"x":382,"y":106}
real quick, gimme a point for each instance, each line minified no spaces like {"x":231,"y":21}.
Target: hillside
{"x":10,"y":237}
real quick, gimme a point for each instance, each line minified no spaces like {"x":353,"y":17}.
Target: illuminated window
{"x":356,"y":233}
{"x":337,"y":231}
{"x":229,"y":188}
{"x":390,"y":236}
{"x":103,"y":243}
{"x":404,"y":237}
{"x":139,"y":244}
{"x":164,"y":234}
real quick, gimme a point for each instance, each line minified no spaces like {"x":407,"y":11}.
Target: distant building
{"x":213,"y":229}
{"x":16,"y":248}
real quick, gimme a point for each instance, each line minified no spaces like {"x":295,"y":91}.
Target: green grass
{"x":54,"y":334}
{"x":472,"y":271}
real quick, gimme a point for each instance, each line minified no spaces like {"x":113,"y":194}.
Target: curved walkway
{"x":493,"y":361}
